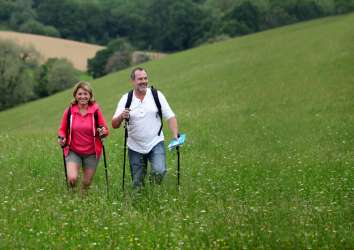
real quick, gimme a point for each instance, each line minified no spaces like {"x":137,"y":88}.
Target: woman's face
{"x":82,"y":96}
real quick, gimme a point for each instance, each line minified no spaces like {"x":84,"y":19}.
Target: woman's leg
{"x":88,"y":176}
{"x":73,"y":173}
{"x":73,"y":163}
{"x":89,"y":169}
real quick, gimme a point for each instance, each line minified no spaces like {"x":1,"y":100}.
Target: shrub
{"x":55,"y":75}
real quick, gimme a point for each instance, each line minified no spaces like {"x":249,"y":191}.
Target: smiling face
{"x":82,"y":96}
{"x":140,"y":81}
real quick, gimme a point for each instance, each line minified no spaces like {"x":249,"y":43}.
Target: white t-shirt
{"x":144,"y":121}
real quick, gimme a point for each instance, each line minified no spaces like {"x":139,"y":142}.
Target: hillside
{"x":268,"y":161}
{"x":76,"y":52}
{"x":273,"y":67}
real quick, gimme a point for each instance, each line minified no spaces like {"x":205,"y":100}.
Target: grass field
{"x":268,"y":161}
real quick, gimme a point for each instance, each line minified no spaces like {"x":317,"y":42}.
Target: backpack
{"x":157,"y":102}
{"x":68,"y":121}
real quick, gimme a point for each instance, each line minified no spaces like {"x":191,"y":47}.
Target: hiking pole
{"x":178,"y":165}
{"x":178,"y":172}
{"x":105,"y":167}
{"x":125,"y":148}
{"x":65,"y":170}
{"x":105,"y":164}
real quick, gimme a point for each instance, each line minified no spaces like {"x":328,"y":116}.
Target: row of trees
{"x":162,"y":25}
{"x":23,"y":78}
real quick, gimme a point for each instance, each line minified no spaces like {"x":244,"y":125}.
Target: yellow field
{"x":76,"y":52}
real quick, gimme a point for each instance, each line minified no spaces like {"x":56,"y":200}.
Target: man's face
{"x":141,"y":81}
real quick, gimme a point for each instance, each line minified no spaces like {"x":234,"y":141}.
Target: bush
{"x":344,"y":6}
{"x":55,"y":75}
{"x":98,"y":66}
{"x":35,"y":27}
{"x":305,"y":10}
{"x":277,"y":16}
{"x":119,"y":60}
{"x":139,"y":57}
{"x":17,"y":65}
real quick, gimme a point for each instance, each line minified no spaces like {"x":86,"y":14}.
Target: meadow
{"x":268,"y":161}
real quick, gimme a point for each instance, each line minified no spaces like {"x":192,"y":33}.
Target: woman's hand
{"x":102,"y":131}
{"x":61,"y":141}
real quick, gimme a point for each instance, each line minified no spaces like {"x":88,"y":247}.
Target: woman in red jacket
{"x":80,"y":131}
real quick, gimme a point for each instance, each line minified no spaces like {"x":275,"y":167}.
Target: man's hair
{"x":132,"y":75}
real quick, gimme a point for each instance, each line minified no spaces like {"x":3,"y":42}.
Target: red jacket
{"x":91,"y":109}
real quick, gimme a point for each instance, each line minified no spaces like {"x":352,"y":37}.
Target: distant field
{"x":75,"y":52}
{"x":268,"y":161}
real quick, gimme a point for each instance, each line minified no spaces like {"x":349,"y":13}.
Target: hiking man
{"x":140,"y":109}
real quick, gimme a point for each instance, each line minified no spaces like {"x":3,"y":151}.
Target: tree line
{"x":160,"y":25}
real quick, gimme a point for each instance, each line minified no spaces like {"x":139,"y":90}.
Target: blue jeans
{"x":138,"y":164}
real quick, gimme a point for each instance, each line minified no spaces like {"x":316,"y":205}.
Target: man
{"x":145,"y":138}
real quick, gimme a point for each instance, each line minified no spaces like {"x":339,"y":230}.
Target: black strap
{"x":68,"y":123}
{"x":129,"y":99}
{"x":68,"y":116}
{"x":157,"y":102}
{"x":158,"y":105}
{"x":95,"y":115}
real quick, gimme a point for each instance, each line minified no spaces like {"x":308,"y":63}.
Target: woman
{"x":81,"y":129}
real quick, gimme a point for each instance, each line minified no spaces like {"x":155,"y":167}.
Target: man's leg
{"x":138,"y":164}
{"x":157,"y":157}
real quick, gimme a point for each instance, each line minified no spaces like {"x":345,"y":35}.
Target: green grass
{"x":268,"y":162}
{"x":84,"y":76}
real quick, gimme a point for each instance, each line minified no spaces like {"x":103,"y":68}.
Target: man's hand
{"x":125,"y":114}
{"x":116,"y":121}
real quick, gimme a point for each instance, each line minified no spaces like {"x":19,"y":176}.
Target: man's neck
{"x":140,"y":95}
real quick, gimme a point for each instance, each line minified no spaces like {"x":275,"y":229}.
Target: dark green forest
{"x":160,"y":25}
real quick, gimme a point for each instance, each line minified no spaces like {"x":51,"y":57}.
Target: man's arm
{"x":172,"y":123}
{"x":117,"y":121}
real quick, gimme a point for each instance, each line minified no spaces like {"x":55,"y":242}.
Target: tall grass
{"x":268,"y":162}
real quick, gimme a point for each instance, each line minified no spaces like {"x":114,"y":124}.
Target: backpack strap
{"x":129,"y":99}
{"x":157,"y":102}
{"x":158,"y":105}
{"x":68,"y":118}
{"x":68,"y":122}
{"x":95,"y":115}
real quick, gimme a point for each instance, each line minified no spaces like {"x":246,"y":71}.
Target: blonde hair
{"x":86,"y":86}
